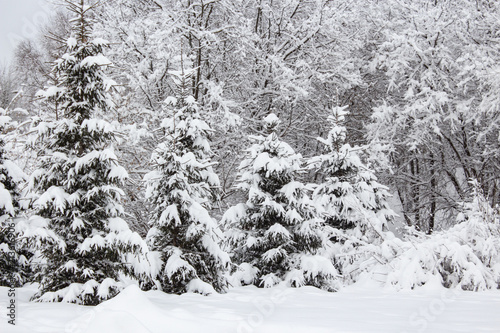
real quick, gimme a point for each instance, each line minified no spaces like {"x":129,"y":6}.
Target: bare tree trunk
{"x":432,"y":215}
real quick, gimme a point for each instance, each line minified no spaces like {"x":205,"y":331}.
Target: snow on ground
{"x":249,"y":309}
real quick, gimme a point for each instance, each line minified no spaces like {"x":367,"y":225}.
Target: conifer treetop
{"x":271,"y":122}
{"x":338,"y":132}
{"x":82,"y":89}
{"x":81,"y":23}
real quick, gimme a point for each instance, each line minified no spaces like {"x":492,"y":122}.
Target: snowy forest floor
{"x":249,"y":309}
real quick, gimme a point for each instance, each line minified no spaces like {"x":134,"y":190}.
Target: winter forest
{"x":200,"y":146}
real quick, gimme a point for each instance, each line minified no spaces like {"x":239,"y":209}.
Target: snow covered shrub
{"x":180,"y":190}
{"x":439,"y":258}
{"x":465,"y":256}
{"x":85,"y":242}
{"x":275,"y":235}
{"x":479,"y":228}
{"x":13,"y":261}
{"x":483,"y":220}
{"x":350,"y":200}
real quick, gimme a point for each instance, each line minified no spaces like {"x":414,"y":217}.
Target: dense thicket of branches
{"x":419,"y":78}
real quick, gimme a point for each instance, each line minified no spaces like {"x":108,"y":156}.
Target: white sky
{"x":18,"y":19}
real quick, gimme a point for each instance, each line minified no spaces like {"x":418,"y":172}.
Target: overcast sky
{"x":18,"y":19}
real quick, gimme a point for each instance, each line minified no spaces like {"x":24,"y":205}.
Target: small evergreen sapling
{"x":275,"y":235}
{"x":350,"y":199}
{"x":181,"y":189}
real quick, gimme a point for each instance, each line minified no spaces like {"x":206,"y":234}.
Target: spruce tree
{"x":350,"y":199}
{"x":350,"y":195}
{"x":86,"y":242}
{"x":180,"y":190}
{"x":275,"y":235}
{"x":13,"y":260}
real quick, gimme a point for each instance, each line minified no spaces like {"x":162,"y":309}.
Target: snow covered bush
{"x":85,"y":242}
{"x":180,"y":190}
{"x":275,"y":235}
{"x":350,"y":200}
{"x":13,"y":261}
{"x":478,"y":228}
{"x":465,"y":256}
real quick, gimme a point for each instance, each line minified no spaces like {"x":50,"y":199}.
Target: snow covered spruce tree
{"x":350,"y":199}
{"x":181,"y":189}
{"x":275,"y":235}
{"x":13,"y":269}
{"x":85,"y":242}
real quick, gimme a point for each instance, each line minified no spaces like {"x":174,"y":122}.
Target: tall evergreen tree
{"x":86,"y":241}
{"x":13,"y":269}
{"x":275,"y":235}
{"x":181,"y":188}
